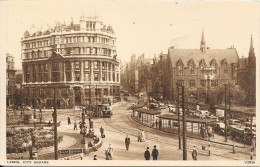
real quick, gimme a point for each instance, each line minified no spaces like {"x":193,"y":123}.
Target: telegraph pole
{"x":178,"y":110}
{"x":55,"y":126}
{"x":184,"y":126}
{"x":225,"y":113}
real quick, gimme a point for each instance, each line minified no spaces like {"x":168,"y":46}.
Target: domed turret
{"x":26,"y":34}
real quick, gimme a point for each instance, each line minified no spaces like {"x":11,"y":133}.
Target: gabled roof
{"x":219,"y":55}
{"x":55,"y":56}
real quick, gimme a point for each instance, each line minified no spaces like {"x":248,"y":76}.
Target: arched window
{"x":225,"y":68}
{"x":202,"y":65}
{"x":191,"y":66}
{"x":214,"y":65}
{"x":224,"y":65}
{"x":180,"y":67}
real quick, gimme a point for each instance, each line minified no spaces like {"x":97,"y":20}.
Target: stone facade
{"x":187,"y":67}
{"x":10,"y":80}
{"x":79,"y":60}
{"x":247,"y":75}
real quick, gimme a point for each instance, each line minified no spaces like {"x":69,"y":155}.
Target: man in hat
{"x":127,"y":142}
{"x":147,"y":154}
{"x":155,"y":153}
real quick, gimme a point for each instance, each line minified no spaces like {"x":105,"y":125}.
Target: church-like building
{"x":247,"y":75}
{"x":188,"y":66}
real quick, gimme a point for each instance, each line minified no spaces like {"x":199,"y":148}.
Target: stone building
{"x":79,"y":60}
{"x":187,"y":67}
{"x":247,"y":75}
{"x":136,"y":74}
{"x":10,"y":80}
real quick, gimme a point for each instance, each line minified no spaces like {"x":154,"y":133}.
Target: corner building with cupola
{"x":78,"y":60}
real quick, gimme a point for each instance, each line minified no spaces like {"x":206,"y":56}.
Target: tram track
{"x":131,"y":128}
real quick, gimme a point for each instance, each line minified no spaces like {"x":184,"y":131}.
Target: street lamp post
{"x":55,"y":126}
{"x":225,"y":114}
{"x":184,"y":126}
{"x":178,"y":111}
{"x":209,"y":74}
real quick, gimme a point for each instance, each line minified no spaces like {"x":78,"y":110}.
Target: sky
{"x":148,"y":27}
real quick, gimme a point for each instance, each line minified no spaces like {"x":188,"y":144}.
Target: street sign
{"x":76,"y":151}
{"x":64,"y":151}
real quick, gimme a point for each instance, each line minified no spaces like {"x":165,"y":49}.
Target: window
{"x":56,"y":76}
{"x":203,"y":83}
{"x":103,"y":65}
{"x":56,"y":66}
{"x":202,"y":65}
{"x":192,"y":68}
{"x":45,"y":77}
{"x":77,"y":65}
{"x":88,"y":50}
{"x":86,"y":64}
{"x":109,"y":66}
{"x":214,"y":83}
{"x":180,"y":82}
{"x":103,"y":76}
{"x":77,"y":76}
{"x":192,"y":83}
{"x":117,"y":78}
{"x":87,"y":77}
{"x":180,"y":68}
{"x":68,"y":76}
{"x":114,"y":76}
{"x":95,"y":65}
{"x":105,"y":91}
{"x":95,"y":76}
{"x":67,"y":66}
{"x":234,"y":70}
{"x":225,"y":68}
{"x":109,"y":76}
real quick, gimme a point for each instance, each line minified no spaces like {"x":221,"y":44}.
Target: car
{"x":161,"y":106}
{"x":234,"y":122}
{"x":172,"y":108}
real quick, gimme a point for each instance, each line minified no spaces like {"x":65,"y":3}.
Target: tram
{"x":106,"y":111}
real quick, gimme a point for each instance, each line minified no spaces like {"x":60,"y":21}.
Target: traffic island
{"x":89,"y":146}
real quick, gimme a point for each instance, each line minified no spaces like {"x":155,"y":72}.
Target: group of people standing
{"x":154,"y":154}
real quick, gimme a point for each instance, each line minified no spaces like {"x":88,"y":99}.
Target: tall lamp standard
{"x":209,"y":74}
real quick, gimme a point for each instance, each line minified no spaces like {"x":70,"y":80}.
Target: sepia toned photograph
{"x":147,"y":82}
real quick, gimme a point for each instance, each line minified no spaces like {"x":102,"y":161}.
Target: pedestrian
{"x":69,"y":121}
{"x":194,"y":153}
{"x":156,"y":124}
{"x":142,"y":136}
{"x":101,"y":131}
{"x":139,"y":135}
{"x":127,"y":142}
{"x":75,"y":125}
{"x":251,"y":156}
{"x":110,"y":151}
{"x":155,"y":153}
{"x":95,"y":157}
{"x":147,"y":154}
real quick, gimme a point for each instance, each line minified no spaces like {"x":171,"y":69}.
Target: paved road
{"x":121,"y":124}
